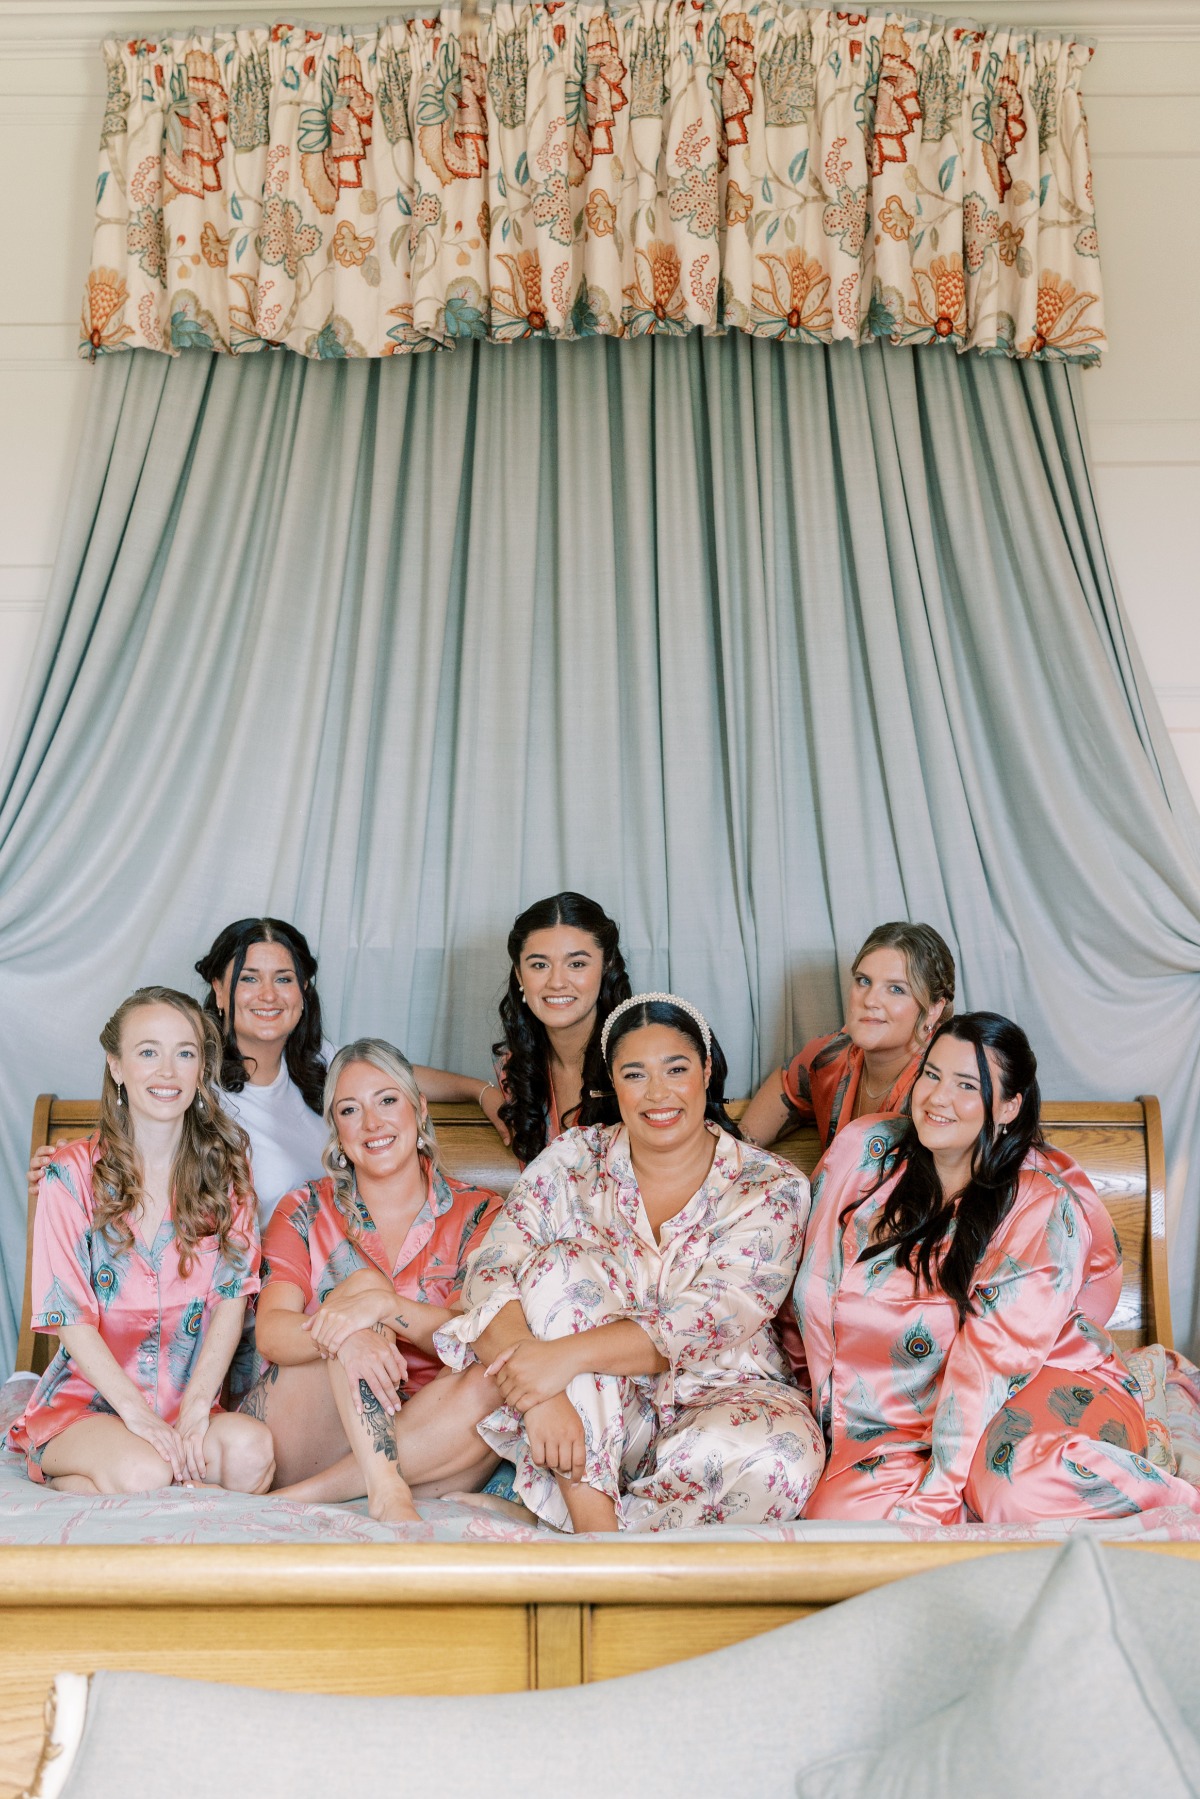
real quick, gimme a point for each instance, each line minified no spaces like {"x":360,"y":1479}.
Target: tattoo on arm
{"x":378,"y":1424}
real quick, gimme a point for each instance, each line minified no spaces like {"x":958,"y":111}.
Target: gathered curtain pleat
{"x":757,"y":648}
{"x":654,"y":167}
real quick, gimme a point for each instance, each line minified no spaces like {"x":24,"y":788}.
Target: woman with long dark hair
{"x":901,"y":989}
{"x":622,"y":1303}
{"x":145,"y":1251}
{"x":956,"y":1282}
{"x":261,"y":976}
{"x":566,"y":973}
{"x":262,"y":997}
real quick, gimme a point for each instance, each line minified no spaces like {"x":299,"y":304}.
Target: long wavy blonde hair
{"x":397,"y":1067}
{"x":211,"y":1171}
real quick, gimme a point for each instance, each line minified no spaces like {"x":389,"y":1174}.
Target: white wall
{"x":1143,"y":102}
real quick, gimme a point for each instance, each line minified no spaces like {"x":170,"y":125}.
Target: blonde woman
{"x":145,"y":1252}
{"x":360,"y":1269}
{"x":901,"y":989}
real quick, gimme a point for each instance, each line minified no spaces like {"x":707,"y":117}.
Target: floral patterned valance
{"x":573,"y":170}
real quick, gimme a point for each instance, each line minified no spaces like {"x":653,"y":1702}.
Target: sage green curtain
{"x":759,"y":645}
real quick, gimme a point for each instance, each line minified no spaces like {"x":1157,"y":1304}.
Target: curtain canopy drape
{"x":582,"y":170}
{"x":758,"y":648}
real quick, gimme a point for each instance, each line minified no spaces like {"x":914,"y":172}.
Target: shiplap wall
{"x":1143,"y":103}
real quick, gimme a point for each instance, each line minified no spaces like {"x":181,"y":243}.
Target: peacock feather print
{"x":1069,"y":1403}
{"x":863,"y":1413}
{"x":59,"y":1307}
{"x":1005,"y":1434}
{"x":1100,"y":1497}
{"x":1114,"y":1432}
{"x":1063,"y":1241}
{"x":344,"y":1260}
{"x":185,"y":1342}
{"x":916,"y":1360}
{"x":60,"y":1172}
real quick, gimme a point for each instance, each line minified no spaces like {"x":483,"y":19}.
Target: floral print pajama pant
{"x":744,"y":1449}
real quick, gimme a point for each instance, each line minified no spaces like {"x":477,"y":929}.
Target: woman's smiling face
{"x":883,"y":1014}
{"x":268,"y":1001}
{"x":375,"y":1121}
{"x":560,"y":970}
{"x":661,"y":1084}
{"x":947,"y":1099}
{"x":160,"y":1063}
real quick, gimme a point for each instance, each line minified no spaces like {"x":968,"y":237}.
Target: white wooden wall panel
{"x":1143,"y":100}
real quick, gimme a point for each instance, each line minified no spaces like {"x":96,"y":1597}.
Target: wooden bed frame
{"x":446,"y":1618}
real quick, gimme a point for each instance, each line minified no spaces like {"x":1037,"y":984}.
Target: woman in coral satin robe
{"x":952,"y":1297}
{"x":145,"y":1251}
{"x":623,"y":1301}
{"x":359,"y":1269}
{"x":901,"y":987}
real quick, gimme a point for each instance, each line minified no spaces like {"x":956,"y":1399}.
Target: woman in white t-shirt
{"x":261,"y":977}
{"x":262,"y":992}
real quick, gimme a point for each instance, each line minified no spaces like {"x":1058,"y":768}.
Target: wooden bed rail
{"x":1118,"y":1143}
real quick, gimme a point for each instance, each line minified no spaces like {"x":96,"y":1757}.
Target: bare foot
{"x":492,"y":1502}
{"x":393,"y":1505}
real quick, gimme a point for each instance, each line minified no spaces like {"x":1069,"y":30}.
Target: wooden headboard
{"x":1119,"y":1144}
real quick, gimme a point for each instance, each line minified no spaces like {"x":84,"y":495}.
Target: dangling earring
{"x":521,"y":991}
{"x":340,"y":1158}
{"x":199,"y":1104}
{"x":120,"y":1093}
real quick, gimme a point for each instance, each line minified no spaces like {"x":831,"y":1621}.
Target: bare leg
{"x":372,"y":1436}
{"x":73,"y":1483}
{"x":589,"y":1508}
{"x":238,"y":1454}
{"x":101,"y":1452}
{"x":439,"y":1449}
{"x":334,"y":1485}
{"x":298,"y":1408}
{"x":494,"y":1502}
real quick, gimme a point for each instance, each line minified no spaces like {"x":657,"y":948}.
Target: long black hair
{"x":662,"y":1011}
{"x":525,"y":1046}
{"x":302,"y":1052}
{"x":941,"y":1242}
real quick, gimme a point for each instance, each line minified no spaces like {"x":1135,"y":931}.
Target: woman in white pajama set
{"x":623,"y":1301}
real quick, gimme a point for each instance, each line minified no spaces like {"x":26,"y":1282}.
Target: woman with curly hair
{"x":956,"y":1283}
{"x":566,"y":973}
{"x":145,"y":1251}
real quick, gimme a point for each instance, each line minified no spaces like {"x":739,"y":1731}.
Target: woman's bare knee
{"x":139,"y":1470}
{"x":246,"y":1455}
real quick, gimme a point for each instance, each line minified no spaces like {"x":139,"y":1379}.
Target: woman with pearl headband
{"x":623,"y":1298}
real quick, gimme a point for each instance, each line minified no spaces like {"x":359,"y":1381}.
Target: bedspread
{"x":31,"y":1514}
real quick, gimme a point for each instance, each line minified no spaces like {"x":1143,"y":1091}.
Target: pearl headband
{"x":645,"y":999}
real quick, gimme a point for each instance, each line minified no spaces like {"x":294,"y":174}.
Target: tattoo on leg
{"x":255,"y":1403}
{"x":383,"y":1437}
